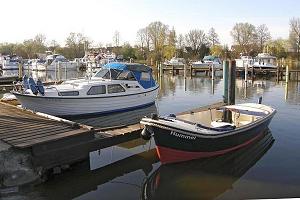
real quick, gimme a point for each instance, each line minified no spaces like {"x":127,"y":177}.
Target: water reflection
{"x":117,"y":119}
{"x":206,"y":178}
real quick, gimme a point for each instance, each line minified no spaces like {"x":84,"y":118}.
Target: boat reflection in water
{"x":204,"y":178}
{"x":117,"y":119}
{"x":109,"y":155}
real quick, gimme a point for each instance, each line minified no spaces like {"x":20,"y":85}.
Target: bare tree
{"x":116,"y":38}
{"x":180,"y":41}
{"x":263,"y":35}
{"x":196,"y":39}
{"x":141,"y":38}
{"x":244,"y":35}
{"x":213,"y":37}
{"x":144,"y":41}
{"x":295,"y":35}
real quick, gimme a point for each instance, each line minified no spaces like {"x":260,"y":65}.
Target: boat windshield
{"x":108,"y":73}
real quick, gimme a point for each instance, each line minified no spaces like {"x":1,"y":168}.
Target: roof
{"x":128,"y":66}
{"x":209,"y":57}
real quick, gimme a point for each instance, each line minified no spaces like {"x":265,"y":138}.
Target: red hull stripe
{"x":168,"y":155}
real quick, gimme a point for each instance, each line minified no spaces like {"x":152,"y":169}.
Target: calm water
{"x":267,"y":169}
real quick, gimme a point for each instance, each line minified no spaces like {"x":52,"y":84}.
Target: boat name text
{"x":182,"y":135}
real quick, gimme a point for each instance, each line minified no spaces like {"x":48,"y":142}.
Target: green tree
{"x":158,"y":35}
{"x":170,"y":48}
{"x":128,"y":52}
{"x":278,"y":48}
{"x":76,"y":44}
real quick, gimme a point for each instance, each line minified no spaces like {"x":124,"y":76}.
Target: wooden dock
{"x":53,"y":141}
{"x":280,"y":72}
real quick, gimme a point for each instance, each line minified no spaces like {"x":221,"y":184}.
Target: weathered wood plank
{"x":52,"y":138}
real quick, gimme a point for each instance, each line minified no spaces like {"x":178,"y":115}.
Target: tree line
{"x":158,"y":42}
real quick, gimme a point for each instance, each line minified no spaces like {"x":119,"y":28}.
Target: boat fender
{"x":259,"y":100}
{"x":172,"y":115}
{"x":25,"y":82}
{"x":40,"y":87}
{"x":145,"y":134}
{"x":154,"y":116}
{"x":33,"y":86}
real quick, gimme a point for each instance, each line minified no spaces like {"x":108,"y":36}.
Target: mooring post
{"x":287,"y":75}
{"x":246,"y":72}
{"x":184,"y":71}
{"x":20,"y":70}
{"x":58,"y":70}
{"x":172,"y":70}
{"x":277,"y":73}
{"x":55,"y":72}
{"x":66,"y":71}
{"x":161,"y":70}
{"x":225,"y":80}
{"x":231,"y":81}
{"x":212,"y":72}
{"x":191,"y":70}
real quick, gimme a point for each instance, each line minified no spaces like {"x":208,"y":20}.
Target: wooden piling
{"x":277,"y":73}
{"x":231,"y":82}
{"x":66,"y":71}
{"x":184,"y":71}
{"x":225,"y":80}
{"x":212,"y":72}
{"x":287,"y":75}
{"x":172,"y":70}
{"x":20,"y":70}
{"x":246,"y":72}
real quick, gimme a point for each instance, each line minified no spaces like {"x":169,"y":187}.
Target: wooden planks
{"x":22,"y":128}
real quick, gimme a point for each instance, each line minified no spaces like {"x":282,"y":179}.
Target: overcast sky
{"x":99,"y":19}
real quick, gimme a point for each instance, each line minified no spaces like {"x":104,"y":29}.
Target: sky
{"x":99,"y":19}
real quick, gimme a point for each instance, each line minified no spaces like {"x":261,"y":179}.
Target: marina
{"x":149,"y":100}
{"x":105,"y":138}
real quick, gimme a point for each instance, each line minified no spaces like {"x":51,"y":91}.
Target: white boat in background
{"x":116,"y":87}
{"x":244,"y":61}
{"x":208,"y":61}
{"x":10,"y":62}
{"x":53,"y":62}
{"x":176,"y":62}
{"x":264,"y":61}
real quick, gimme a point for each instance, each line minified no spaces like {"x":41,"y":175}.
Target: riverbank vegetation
{"x":158,"y":42}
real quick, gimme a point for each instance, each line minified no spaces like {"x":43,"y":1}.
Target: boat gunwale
{"x":215,"y":134}
{"x":75,"y":97}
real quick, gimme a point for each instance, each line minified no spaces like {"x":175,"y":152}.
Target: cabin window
{"x":94,"y":90}
{"x":115,"y":88}
{"x":104,"y":73}
{"x":126,"y":75}
{"x":68,"y":93}
{"x":145,"y":76}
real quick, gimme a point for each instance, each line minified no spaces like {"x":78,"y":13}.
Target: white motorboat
{"x":53,"y":62}
{"x":10,"y":62}
{"x":116,"y":87}
{"x":264,"y":61}
{"x":208,"y":61}
{"x":176,"y":62}
{"x":244,"y":61}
